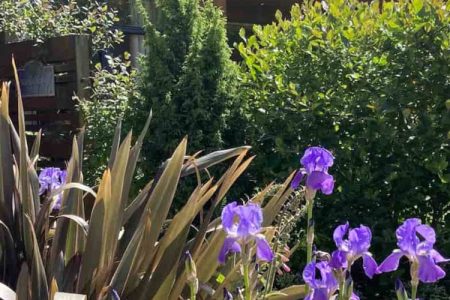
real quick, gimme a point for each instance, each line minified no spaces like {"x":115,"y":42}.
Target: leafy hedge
{"x":371,"y":86}
{"x":38,"y":20}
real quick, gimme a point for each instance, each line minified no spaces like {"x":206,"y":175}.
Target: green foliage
{"x":371,"y":86}
{"x":104,"y":241}
{"x":39,"y":20}
{"x":187,"y":79}
{"x":110,"y":93}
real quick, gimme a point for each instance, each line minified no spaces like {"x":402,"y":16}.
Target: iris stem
{"x":247,"y":282}
{"x":309,"y":195}
{"x":309,"y":226}
{"x":341,"y":290}
{"x":414,"y":271}
{"x":193,"y":294}
{"x":414,"y":286}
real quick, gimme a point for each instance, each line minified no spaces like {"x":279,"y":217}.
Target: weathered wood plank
{"x":57,"y":49}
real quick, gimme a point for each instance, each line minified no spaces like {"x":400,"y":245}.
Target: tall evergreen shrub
{"x":187,"y":79}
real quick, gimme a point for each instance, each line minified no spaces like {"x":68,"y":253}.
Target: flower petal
{"x":320,"y":181}
{"x":339,"y":233}
{"x":326,"y":273}
{"x":263,"y":251}
{"x":354,"y":297}
{"x":428,"y":270}
{"x":338,"y":259}
{"x":309,"y":275}
{"x":319,"y":294}
{"x":438,"y":258}
{"x":369,"y":265}
{"x":327,"y":186}
{"x":407,"y":239}
{"x":229,"y":246}
{"x":228,"y":216}
{"x":427,"y":232}
{"x":297,"y":179}
{"x":250,"y":219}
{"x":359,"y":240}
{"x":317,"y":159}
{"x":391,"y":262}
{"x":57,"y":202}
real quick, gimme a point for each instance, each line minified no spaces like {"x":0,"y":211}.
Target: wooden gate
{"x":51,"y":73}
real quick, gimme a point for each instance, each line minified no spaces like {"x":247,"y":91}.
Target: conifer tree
{"x":187,"y":79}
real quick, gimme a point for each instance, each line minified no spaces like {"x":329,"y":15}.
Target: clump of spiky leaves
{"x":116,"y":245}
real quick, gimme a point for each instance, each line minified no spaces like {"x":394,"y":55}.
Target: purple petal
{"x":228,"y":217}
{"x":317,"y":159}
{"x":338,"y":259}
{"x":58,"y":202}
{"x":319,"y":294}
{"x":354,"y":297}
{"x":339,"y":233}
{"x":369,"y":265}
{"x":250,"y":219}
{"x":263,"y":251}
{"x":326,"y":273}
{"x":50,"y":179}
{"x":43,"y":186}
{"x":391,"y":262}
{"x":437,"y":257}
{"x":359,"y":240}
{"x":327,"y":186}
{"x":297,"y":179}
{"x":320,"y":181}
{"x":407,"y":239}
{"x":427,"y":232}
{"x":63,"y":176}
{"x":229,"y":246}
{"x":309,"y":275}
{"x":428,"y":270}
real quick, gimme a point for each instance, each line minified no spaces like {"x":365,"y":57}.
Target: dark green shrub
{"x":373,"y":87}
{"x":187,"y":79}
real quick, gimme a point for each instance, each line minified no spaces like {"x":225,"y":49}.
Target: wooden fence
{"x":50,"y":73}
{"x":254,"y":11}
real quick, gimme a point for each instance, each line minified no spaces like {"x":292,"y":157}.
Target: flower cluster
{"x":316,"y":162}
{"x":242,"y":224}
{"x":329,"y":276}
{"x":414,"y":239}
{"x":51,"y":179}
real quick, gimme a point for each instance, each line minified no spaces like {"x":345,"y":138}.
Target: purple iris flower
{"x":316,"y":161}
{"x":51,"y":179}
{"x":355,"y":246}
{"x":320,"y":278}
{"x":242,"y":223}
{"x":416,"y":241}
